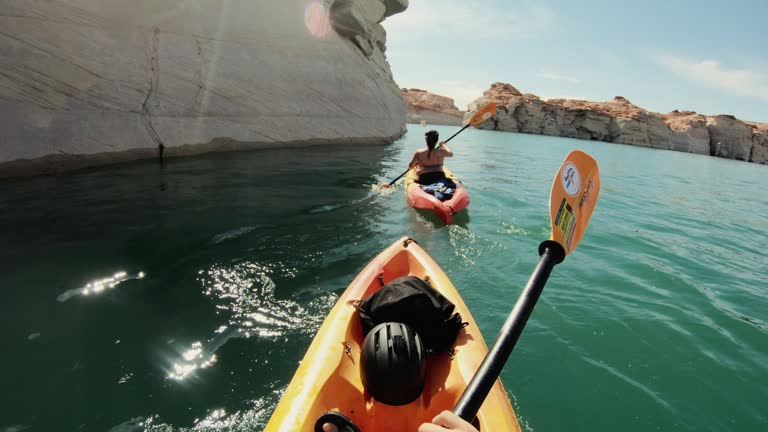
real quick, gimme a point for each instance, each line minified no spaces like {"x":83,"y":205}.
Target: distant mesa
{"x":621,"y":121}
{"x":430,"y":107}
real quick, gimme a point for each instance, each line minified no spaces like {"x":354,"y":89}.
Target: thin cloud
{"x":468,"y":21}
{"x":558,"y":77}
{"x":742,"y":82}
{"x":603,"y":55}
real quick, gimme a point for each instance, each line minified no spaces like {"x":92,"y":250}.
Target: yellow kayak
{"x":329,"y":376}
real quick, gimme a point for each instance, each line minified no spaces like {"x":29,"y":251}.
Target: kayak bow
{"x":328,"y":378}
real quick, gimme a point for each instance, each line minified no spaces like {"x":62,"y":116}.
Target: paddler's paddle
{"x":573,"y":197}
{"x":483,"y":114}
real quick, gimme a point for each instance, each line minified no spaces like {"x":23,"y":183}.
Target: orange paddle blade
{"x":483,"y":114}
{"x":573,"y":197}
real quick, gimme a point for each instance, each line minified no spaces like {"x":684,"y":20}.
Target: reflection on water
{"x":245,"y":292}
{"x":241,"y":273}
{"x":238,"y":277}
{"x":133,"y":425}
{"x":376,"y":191}
{"x":232,"y":234}
{"x":99,"y":286}
{"x":513,"y":229}
{"x":469,"y":246}
{"x":192,"y":359}
{"x":217,"y":420}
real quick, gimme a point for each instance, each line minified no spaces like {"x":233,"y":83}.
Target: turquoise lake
{"x":183,"y":297}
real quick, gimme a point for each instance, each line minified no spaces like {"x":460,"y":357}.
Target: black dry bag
{"x":414,"y":302}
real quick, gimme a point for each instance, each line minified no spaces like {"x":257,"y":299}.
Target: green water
{"x":227,"y":263}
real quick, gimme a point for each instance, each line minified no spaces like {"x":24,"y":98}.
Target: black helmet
{"x":393,"y":364}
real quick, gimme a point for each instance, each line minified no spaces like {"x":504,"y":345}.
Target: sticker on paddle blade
{"x":573,"y":198}
{"x":586,"y":196}
{"x":565,"y":220}
{"x":571,"y":179}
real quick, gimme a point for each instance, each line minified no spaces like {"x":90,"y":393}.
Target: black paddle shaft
{"x":460,"y":130}
{"x":446,"y":141}
{"x":552,"y":253}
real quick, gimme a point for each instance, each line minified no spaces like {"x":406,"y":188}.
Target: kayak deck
{"x":328,"y":377}
{"x":444,"y":210}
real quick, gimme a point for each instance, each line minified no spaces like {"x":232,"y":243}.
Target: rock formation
{"x":620,"y":121}
{"x":729,"y":137}
{"x":87,"y":82}
{"x":688,"y":131}
{"x":759,"y":143}
{"x":432,"y":108}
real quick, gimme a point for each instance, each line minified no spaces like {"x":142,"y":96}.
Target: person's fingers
{"x":429,"y":427}
{"x":330,"y":427}
{"x":450,"y":420}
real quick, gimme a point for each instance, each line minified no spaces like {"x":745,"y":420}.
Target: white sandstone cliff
{"x":759,"y":143}
{"x":87,"y":82}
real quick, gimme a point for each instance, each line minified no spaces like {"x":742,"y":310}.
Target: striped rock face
{"x":89,"y":82}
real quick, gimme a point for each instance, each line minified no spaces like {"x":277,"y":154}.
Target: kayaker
{"x":446,"y":421}
{"x":430,"y":160}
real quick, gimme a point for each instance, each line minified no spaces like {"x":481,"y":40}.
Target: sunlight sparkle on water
{"x":247,"y":292}
{"x":99,"y":286}
{"x":215,"y":420}
{"x":190,"y":354}
{"x":194,"y":359}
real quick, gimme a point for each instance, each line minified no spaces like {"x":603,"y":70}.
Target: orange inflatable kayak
{"x":444,"y":210}
{"x":329,"y":377}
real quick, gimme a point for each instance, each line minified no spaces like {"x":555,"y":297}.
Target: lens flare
{"x":317,"y":19}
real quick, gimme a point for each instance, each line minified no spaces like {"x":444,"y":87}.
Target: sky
{"x":705,"y":56}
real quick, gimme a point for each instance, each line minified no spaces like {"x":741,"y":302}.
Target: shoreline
{"x":706,"y":156}
{"x":56,"y":164}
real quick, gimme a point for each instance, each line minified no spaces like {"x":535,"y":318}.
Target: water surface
{"x":184,"y":297}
